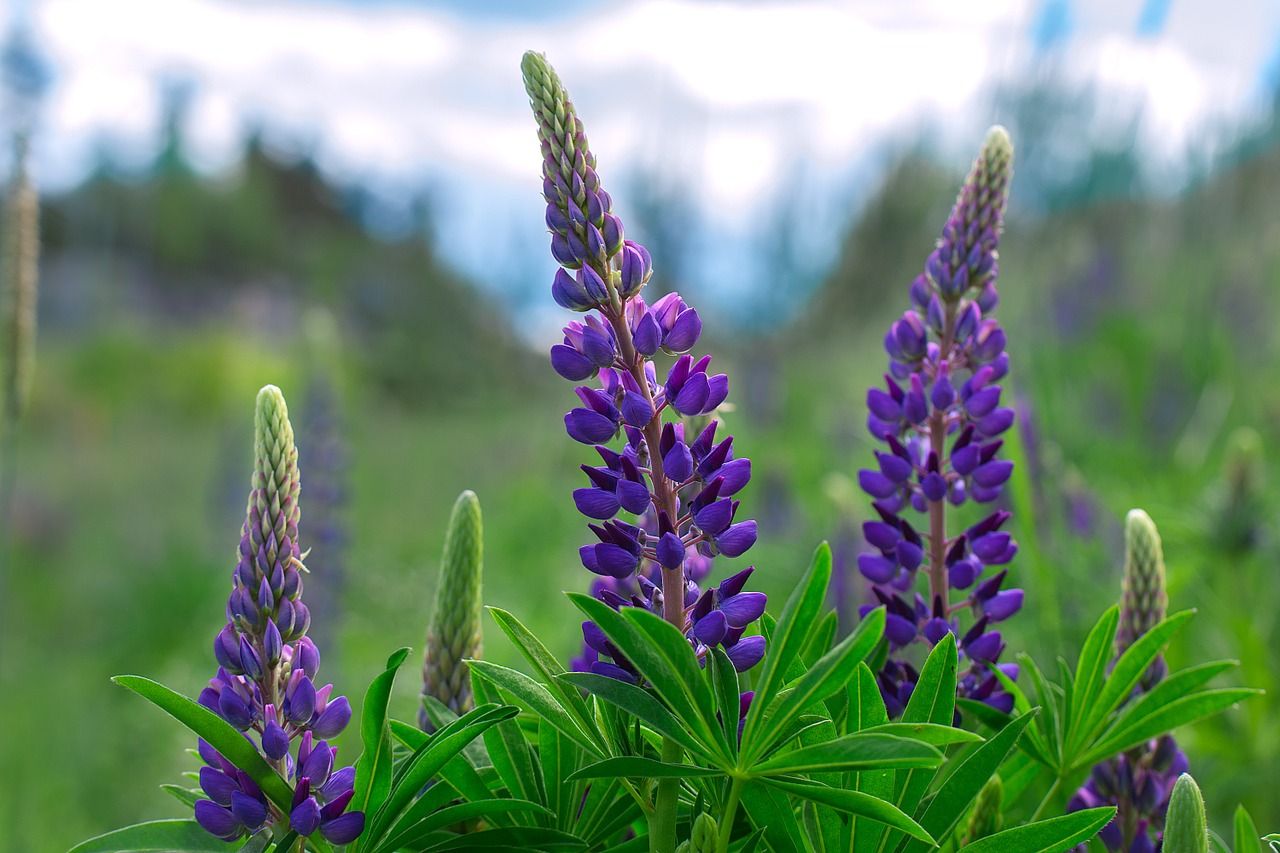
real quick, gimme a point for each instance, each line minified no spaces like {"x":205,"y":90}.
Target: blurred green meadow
{"x":1144,"y":358}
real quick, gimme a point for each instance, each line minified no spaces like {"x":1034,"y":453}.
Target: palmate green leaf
{"x":230,"y":743}
{"x":1157,"y":721}
{"x":829,"y":674}
{"x":176,"y":836}
{"x":855,"y":803}
{"x":1046,"y":836}
{"x":789,"y":638}
{"x":672,"y":644}
{"x":1246,"y":836}
{"x":536,"y":698}
{"x":653,"y":663}
{"x":548,"y":666}
{"x":373,"y":768}
{"x":1126,"y":674}
{"x":955,"y":795}
{"x":416,"y":771}
{"x":635,"y":765}
{"x":858,"y":751}
{"x":639,"y":703}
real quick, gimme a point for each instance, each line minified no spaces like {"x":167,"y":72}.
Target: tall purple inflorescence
{"x":265,"y":686}
{"x":940,"y":416}
{"x":673,"y":475}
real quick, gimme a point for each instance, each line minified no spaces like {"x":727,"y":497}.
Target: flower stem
{"x":662,"y":826}
{"x":729,"y":813}
{"x":1053,"y":790}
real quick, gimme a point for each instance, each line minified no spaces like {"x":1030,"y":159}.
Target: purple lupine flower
{"x":265,"y":684}
{"x":681,"y":490}
{"x":940,"y":416}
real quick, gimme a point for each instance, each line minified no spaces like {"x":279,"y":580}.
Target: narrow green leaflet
{"x":790,"y":637}
{"x":536,"y":698}
{"x":1091,"y":671}
{"x":1179,"y":712}
{"x":509,"y":750}
{"x":218,"y":732}
{"x":932,"y":701}
{"x":1126,"y":674}
{"x":548,"y":666}
{"x":858,"y":751}
{"x":373,"y":768}
{"x":1246,"y":838}
{"x":672,"y":644}
{"x":525,"y":838}
{"x":961,"y":788}
{"x":186,"y":796}
{"x":1046,"y":836}
{"x":769,"y":809}
{"x":831,"y":673}
{"x":930,"y":733}
{"x":176,"y":836}
{"x":821,"y":638}
{"x":418,"y":769}
{"x":634,"y":765}
{"x":413,"y":832}
{"x":651,"y":663}
{"x":724,"y":683}
{"x":855,"y":803}
{"x":636,"y":701}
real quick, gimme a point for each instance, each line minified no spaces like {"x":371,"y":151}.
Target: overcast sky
{"x":411,"y":94}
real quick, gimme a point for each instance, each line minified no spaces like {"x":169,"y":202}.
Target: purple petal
{"x":571,"y":364}
{"x":217,"y":786}
{"x":218,"y":821}
{"x":589,"y":427}
{"x":712,"y":628}
{"x":684,"y":333}
{"x":993,"y":473}
{"x":609,"y":670}
{"x":692,"y":396}
{"x":634,"y":497}
{"x":670,"y":551}
{"x":876,"y":568}
{"x":248,"y":810}
{"x":1003,"y":605}
{"x":876,"y":484}
{"x":275,"y":743}
{"x":746,"y":653}
{"x":737,"y":540}
{"x":344,"y":829}
{"x":613,"y":560}
{"x":304,"y":819}
{"x":744,"y":608}
{"x":715,"y":517}
{"x":597,"y":503}
{"x":333,"y":719}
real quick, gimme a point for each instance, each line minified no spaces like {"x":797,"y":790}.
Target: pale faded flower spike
{"x":454,"y":635}
{"x":21,"y":277}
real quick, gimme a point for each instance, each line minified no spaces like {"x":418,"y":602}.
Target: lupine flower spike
{"x":679,"y":485}
{"x":1139,"y":782}
{"x":940,"y":417}
{"x":267,"y":666}
{"x":1186,"y":830}
{"x":1143,"y":600}
{"x":454,"y":633}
